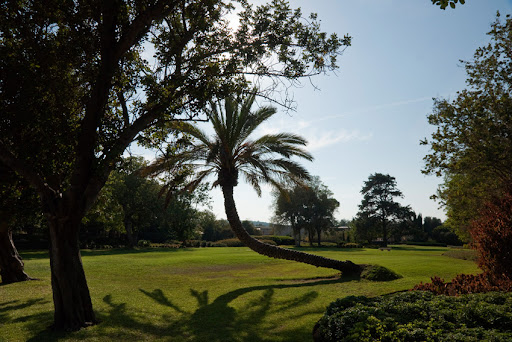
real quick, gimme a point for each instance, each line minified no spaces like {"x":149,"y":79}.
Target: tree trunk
{"x":11,"y":265}
{"x":384,"y":234}
{"x":311,"y":236}
{"x":296,"y":235}
{"x":319,"y":232}
{"x":346,"y":267}
{"x":71,"y":298}
{"x":128,"y":225}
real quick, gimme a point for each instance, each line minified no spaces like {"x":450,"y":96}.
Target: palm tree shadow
{"x":218,"y":321}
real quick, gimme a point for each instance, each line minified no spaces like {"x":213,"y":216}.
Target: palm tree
{"x":229,"y":154}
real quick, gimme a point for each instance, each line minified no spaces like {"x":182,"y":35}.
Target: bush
{"x":379,"y":273}
{"x":231,"y":242}
{"x":349,"y":245}
{"x":279,"y":240}
{"x":144,"y":243}
{"x":218,"y":244}
{"x":462,"y":254}
{"x":425,"y":243}
{"x":492,"y":237}
{"x":269,"y":242}
{"x":417,"y":316}
{"x":466,"y":283}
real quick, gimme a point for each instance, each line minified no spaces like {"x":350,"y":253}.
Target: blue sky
{"x":370,"y":116}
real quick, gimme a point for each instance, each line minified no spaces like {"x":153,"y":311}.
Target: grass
{"x":208,"y":294}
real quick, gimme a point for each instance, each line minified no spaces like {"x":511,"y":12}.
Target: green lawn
{"x":208,"y":294}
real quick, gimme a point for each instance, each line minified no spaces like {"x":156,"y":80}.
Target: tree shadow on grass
{"x":218,"y":321}
{"x":212,"y":321}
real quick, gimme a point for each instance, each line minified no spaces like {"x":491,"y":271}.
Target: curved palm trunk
{"x":346,"y":267}
{"x":11,"y":265}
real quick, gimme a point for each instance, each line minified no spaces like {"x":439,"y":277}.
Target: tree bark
{"x":297,"y":236}
{"x":71,"y":297}
{"x":346,"y":267}
{"x":11,"y":265}
{"x":128,"y":225}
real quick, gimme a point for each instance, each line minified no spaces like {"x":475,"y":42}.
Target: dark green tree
{"x":365,"y":228}
{"x":231,"y":154}
{"x":308,"y":206}
{"x":472,"y":145}
{"x":289,"y":209}
{"x":75,"y":91}
{"x":429,"y":224}
{"x":379,"y":193}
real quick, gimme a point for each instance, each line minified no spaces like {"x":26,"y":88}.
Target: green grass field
{"x":208,"y":294}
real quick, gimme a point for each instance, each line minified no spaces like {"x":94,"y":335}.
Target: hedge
{"x":418,"y":316}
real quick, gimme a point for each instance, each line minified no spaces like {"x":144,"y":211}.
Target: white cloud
{"x":320,"y":140}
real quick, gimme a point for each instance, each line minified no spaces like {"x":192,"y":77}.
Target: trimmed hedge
{"x":418,"y":316}
{"x":279,"y":240}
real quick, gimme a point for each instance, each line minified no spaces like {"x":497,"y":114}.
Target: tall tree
{"x":379,"y":193}
{"x":472,"y":145}
{"x":75,"y":91}
{"x":289,"y":209}
{"x":230,"y":153}
{"x":307,"y":206}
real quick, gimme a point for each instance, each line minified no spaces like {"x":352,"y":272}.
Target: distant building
{"x":265,"y":230}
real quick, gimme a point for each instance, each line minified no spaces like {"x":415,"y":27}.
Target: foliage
{"x":308,"y":206}
{"x":429,"y":224}
{"x":234,"y":242}
{"x":266,"y":159}
{"x":379,"y":273}
{"x":472,"y":145}
{"x":417,"y":316}
{"x":444,"y":3}
{"x":445,"y":235}
{"x":464,"y":254}
{"x":249,"y":228}
{"x":144,"y":243}
{"x":466,"y":283}
{"x":349,"y":245}
{"x":378,"y":209}
{"x":492,"y":236}
{"x":76,"y":91}
{"x":213,"y":229}
{"x":279,"y":240}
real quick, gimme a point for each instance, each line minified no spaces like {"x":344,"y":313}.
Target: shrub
{"x":462,"y":254}
{"x":144,"y":243}
{"x":417,"y":316}
{"x":234,"y":242}
{"x":379,"y":273}
{"x":279,"y":240}
{"x":466,"y":283}
{"x":218,"y":244}
{"x":269,"y":242}
{"x":349,"y":245}
{"x":492,"y":237}
{"x":425,"y":243}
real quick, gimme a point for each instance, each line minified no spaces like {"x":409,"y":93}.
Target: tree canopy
{"x":77,"y":88}
{"x":378,"y":206}
{"x":308,"y":206}
{"x":472,"y":147}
